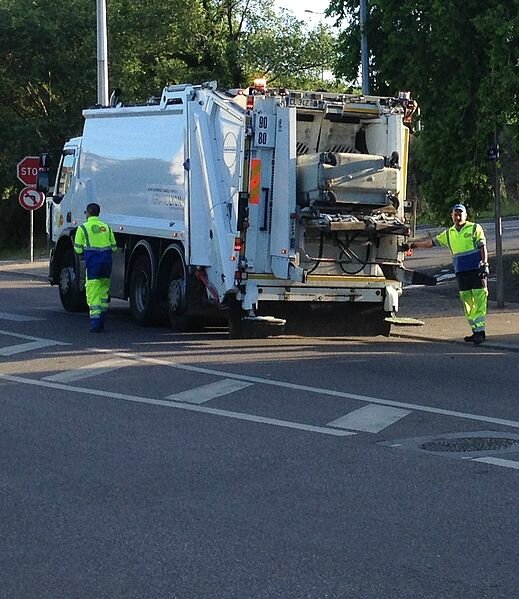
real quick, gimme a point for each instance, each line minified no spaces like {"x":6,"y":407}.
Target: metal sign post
{"x":493,"y":156}
{"x":31,"y":200}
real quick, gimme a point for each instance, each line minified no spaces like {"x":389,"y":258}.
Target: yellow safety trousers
{"x":474,"y":302}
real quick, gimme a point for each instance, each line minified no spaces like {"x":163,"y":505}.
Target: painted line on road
{"x":84,"y":372}
{"x":17,"y":317}
{"x":199,"y":395}
{"x":318,"y":390}
{"x":179,"y":406}
{"x":498,"y":462}
{"x":33,"y":343}
{"x":370,"y":419}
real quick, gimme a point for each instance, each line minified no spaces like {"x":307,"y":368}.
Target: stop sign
{"x":27,"y":170}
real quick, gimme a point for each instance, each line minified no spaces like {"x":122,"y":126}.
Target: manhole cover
{"x":461,"y":445}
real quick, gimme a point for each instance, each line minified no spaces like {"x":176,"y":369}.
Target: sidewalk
{"x":440,"y":310}
{"x":437,"y":307}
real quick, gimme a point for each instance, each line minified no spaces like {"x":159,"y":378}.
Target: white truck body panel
{"x":296,"y":197}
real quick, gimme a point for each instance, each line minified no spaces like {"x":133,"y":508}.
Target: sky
{"x":298,"y":7}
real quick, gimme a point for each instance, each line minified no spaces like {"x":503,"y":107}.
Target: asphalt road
{"x":146,"y":464}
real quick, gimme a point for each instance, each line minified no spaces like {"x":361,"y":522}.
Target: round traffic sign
{"x":30,"y":199}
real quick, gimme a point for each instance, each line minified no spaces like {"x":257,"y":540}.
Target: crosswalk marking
{"x":17,"y":317}
{"x":176,"y":405}
{"x":199,"y":395}
{"x":84,"y":372}
{"x":32,"y":343}
{"x":11,"y":350}
{"x":498,"y":462}
{"x":370,"y":419}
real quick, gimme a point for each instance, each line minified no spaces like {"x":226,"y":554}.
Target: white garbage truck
{"x":275,"y":210}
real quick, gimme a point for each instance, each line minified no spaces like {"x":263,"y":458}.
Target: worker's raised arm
{"x":422,"y":243}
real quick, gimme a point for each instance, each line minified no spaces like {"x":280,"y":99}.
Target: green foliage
{"x":48,"y":67}
{"x":460,"y":59}
{"x":45,"y":83}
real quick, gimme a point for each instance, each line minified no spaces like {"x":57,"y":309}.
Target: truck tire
{"x":177,"y":298}
{"x":72,"y":297}
{"x":143,"y":303}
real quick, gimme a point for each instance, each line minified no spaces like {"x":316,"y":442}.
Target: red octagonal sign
{"x":27,"y":170}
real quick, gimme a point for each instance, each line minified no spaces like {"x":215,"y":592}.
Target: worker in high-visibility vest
{"x":95,"y":241}
{"x":467,"y":243}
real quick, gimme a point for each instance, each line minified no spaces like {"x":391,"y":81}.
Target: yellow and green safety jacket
{"x":464,"y":245}
{"x":96,"y":241}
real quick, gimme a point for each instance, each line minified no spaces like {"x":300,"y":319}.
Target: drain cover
{"x":469,"y":444}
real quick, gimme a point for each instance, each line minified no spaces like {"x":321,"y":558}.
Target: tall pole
{"x":102,"y":54}
{"x":499,"y":228}
{"x":364,"y":57}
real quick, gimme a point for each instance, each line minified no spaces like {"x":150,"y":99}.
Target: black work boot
{"x":479,"y":337}
{"x":469,"y":338}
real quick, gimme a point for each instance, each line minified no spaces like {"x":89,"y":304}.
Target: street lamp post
{"x":314,"y":12}
{"x":364,"y":55}
{"x":102,"y":54}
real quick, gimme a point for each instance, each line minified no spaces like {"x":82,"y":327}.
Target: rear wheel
{"x":142,"y":298}
{"x":72,"y":297}
{"x":177,"y":297}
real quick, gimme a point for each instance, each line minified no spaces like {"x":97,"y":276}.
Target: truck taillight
{"x":237,"y":244}
{"x":250,"y":102}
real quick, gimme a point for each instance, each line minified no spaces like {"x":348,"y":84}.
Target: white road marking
{"x":498,"y":462}
{"x":84,"y":372}
{"x":370,"y":419}
{"x":17,"y":317}
{"x":318,"y":390}
{"x":34,"y":343}
{"x":199,"y":395}
{"x":178,"y":406}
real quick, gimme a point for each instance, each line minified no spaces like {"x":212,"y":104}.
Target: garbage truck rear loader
{"x":276,"y":210}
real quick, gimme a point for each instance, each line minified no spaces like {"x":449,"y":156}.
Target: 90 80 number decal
{"x":264,"y":131}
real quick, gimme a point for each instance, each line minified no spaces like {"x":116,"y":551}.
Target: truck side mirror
{"x":45,"y":176}
{"x":43,"y":181}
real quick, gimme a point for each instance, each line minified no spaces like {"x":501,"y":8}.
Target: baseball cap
{"x":460,"y":207}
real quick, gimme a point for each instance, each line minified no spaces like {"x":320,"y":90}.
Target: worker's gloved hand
{"x":484,"y":271}
{"x":405,"y":247}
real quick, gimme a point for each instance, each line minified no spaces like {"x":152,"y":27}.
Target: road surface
{"x":143,"y":463}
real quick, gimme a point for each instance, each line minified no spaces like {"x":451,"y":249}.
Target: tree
{"x":460,"y":61}
{"x":46,"y":80}
{"x":48,"y":66}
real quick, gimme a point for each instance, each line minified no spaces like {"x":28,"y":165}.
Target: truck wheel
{"x":142,"y":300}
{"x":177,"y":298}
{"x":71,"y":296}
